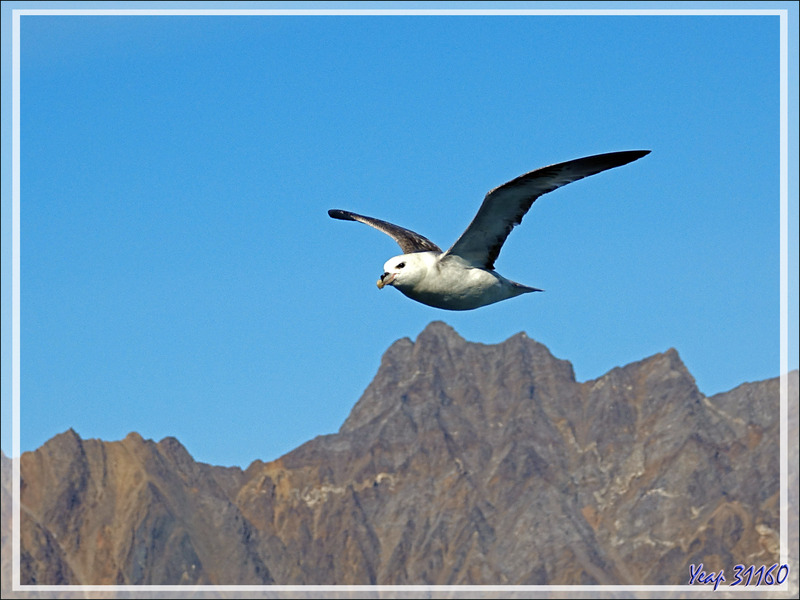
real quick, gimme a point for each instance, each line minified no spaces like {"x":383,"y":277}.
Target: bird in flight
{"x":463,"y":278}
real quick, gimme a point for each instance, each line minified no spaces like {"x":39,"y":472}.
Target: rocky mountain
{"x":462,"y":463}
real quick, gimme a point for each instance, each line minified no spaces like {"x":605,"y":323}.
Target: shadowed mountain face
{"x":462,"y":463}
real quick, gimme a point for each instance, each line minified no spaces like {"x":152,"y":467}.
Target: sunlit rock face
{"x":462,"y":463}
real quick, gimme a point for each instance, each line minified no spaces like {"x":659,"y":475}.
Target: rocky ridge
{"x":462,"y":463}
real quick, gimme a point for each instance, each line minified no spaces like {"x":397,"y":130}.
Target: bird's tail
{"x":524,"y":289}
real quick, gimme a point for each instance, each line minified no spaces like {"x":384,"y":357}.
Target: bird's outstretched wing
{"x":504,"y":206}
{"x":408,"y":241}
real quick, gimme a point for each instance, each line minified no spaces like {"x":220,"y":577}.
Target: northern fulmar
{"x":463,"y":278}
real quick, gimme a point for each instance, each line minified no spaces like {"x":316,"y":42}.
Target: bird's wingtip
{"x":633,"y":153}
{"x":628,"y":156}
{"x":335,"y":213}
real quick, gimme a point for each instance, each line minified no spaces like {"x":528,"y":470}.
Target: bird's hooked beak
{"x":386,"y":279}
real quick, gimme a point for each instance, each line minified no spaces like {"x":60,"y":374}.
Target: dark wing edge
{"x":408,"y":240}
{"x":504,"y":206}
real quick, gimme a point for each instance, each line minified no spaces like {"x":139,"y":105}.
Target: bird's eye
{"x":400,"y":266}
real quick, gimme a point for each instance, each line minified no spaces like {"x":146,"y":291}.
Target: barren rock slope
{"x":461,"y":463}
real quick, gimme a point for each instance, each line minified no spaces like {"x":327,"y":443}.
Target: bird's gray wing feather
{"x":504,"y":206}
{"x":408,"y":241}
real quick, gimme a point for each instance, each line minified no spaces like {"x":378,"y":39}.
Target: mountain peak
{"x":66,"y":443}
{"x":441,"y":367}
{"x":440,"y":326}
{"x":440,"y":330}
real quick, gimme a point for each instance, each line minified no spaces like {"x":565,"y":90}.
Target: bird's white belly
{"x":460,"y":289}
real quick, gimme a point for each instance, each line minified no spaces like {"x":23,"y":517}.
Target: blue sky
{"x":180,"y":275}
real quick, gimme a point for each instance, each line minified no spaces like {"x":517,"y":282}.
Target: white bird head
{"x":404,"y":271}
